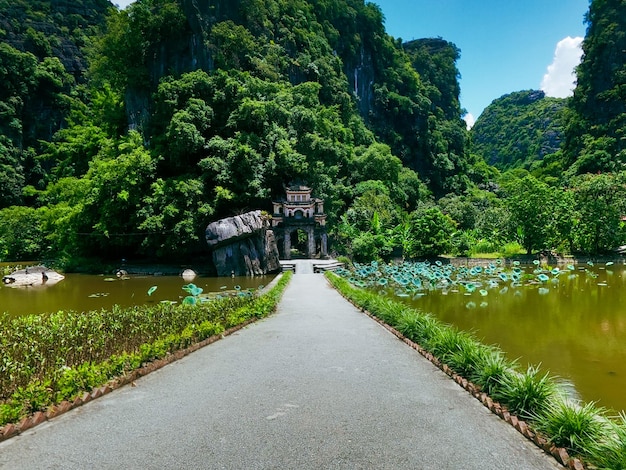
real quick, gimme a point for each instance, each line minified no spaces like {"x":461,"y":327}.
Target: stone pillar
{"x":310,"y":232}
{"x":324,"y":245}
{"x":287,"y":244}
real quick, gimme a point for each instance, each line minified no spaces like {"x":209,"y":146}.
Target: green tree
{"x":22,"y":234}
{"x":531,"y":204}
{"x":431,"y":231}
{"x":173,"y":217}
{"x":118,"y":180}
{"x":600,"y":205}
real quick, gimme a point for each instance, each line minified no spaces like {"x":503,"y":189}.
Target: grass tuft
{"x":571,"y":425}
{"x":526,"y":394}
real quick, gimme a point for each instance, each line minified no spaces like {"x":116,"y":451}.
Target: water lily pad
{"x":543,"y":278}
{"x":98,"y":295}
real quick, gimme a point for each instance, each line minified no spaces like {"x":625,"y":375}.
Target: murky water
{"x":83,"y":292}
{"x":575,"y":328}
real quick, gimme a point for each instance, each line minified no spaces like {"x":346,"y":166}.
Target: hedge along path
{"x":355,"y":296}
{"x":260,"y":307}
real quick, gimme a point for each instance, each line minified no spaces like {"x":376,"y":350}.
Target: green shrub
{"x":418,"y":327}
{"x":525,"y":394}
{"x":571,"y":425}
{"x":491,"y":370}
{"x":468,"y":357}
{"x":484,"y":246}
{"x":609,"y":451}
{"x":512,"y":249}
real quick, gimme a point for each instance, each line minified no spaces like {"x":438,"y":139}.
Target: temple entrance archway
{"x":299,"y":224}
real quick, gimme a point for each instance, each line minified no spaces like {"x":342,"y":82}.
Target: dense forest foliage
{"x":596,"y":139}
{"x":123,"y":133}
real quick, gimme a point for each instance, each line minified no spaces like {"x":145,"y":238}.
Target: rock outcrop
{"x":243,"y":245}
{"x":32,"y":277}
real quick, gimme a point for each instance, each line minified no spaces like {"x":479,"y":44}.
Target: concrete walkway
{"x":318,"y":385}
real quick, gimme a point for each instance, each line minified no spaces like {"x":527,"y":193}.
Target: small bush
{"x":490,"y":371}
{"x":526,"y":394}
{"x":571,"y":425}
{"x":609,"y":450}
{"x":484,"y":246}
{"x":468,"y":357}
{"x":512,"y":249}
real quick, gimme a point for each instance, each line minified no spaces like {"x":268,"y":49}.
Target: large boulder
{"x":32,"y":277}
{"x":243,"y":245}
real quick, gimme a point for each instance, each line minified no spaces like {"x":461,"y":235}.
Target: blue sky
{"x":506,"y":45}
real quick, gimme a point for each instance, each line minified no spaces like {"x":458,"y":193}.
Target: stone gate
{"x":298,"y":211}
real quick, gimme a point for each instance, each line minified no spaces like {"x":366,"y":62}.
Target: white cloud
{"x":469,"y":120}
{"x":559,"y":81}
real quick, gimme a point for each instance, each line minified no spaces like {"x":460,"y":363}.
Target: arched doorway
{"x":299,"y":243}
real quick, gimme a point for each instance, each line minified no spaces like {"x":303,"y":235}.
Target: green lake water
{"x":84,"y":292}
{"x":574,"y":327}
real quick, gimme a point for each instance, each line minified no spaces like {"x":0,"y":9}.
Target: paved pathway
{"x":318,"y":385}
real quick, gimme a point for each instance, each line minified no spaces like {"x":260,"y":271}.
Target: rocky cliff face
{"x":189,"y":51}
{"x":56,"y":28}
{"x":360,"y":73}
{"x":243,"y":246}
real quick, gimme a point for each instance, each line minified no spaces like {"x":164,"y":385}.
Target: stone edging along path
{"x":560,"y":454}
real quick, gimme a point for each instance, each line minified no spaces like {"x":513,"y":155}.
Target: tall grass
{"x":574,"y":426}
{"x":609,"y":450}
{"x":584,"y":430}
{"x":526,"y":393}
{"x":492,"y":371}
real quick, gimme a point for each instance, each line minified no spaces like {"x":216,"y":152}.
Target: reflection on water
{"x":83,"y":292}
{"x":574,"y":327}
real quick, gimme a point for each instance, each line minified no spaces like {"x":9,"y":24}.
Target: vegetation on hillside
{"x":188,"y":113}
{"x":595,"y":135}
{"x":519,"y":129}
